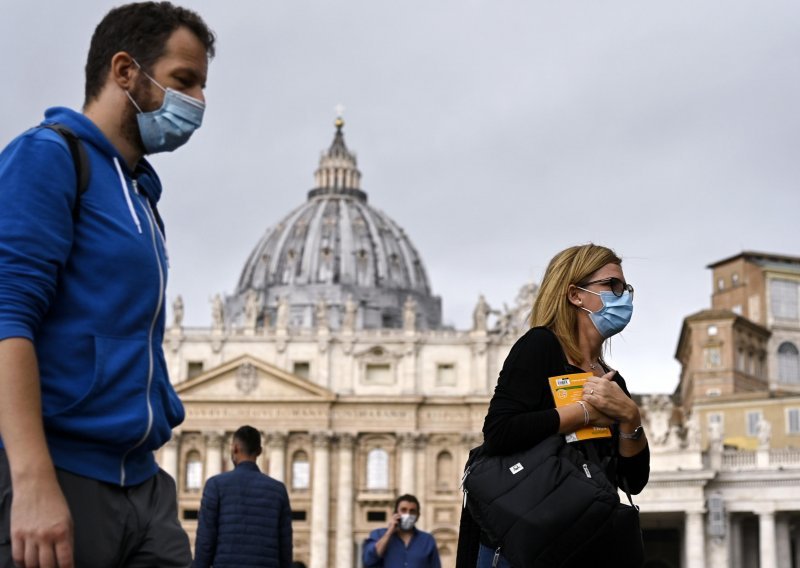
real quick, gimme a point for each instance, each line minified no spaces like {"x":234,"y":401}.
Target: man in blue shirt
{"x":401,"y":544}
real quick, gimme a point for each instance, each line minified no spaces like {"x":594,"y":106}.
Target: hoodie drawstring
{"x":126,"y":193}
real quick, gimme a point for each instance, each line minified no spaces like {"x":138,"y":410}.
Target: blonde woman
{"x":584,"y":299}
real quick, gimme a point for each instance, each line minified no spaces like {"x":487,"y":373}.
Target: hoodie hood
{"x":86,"y":130}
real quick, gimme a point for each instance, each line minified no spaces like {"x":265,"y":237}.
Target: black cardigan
{"x":522,"y":413}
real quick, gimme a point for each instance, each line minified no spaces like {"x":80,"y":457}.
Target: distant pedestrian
{"x":245,"y":518}
{"x":401,"y":544}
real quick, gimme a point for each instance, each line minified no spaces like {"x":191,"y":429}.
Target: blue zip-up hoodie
{"x":90,"y":295}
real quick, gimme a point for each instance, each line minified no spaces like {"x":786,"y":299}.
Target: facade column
{"x":407,"y":463}
{"x":169,"y":457}
{"x":421,"y":491}
{"x":276,"y":448}
{"x":344,"y":503}
{"x":784,"y":543}
{"x":695,"y":540}
{"x":213,"y":453}
{"x":320,"y":496}
{"x":766,"y":539}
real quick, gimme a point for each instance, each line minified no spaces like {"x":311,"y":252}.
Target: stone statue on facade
{"x":321,"y":314}
{"x":659,"y":413}
{"x":282,"y":315}
{"x":217,"y":312}
{"x":693,"y":432}
{"x":350,"y":309}
{"x":715,"y":436}
{"x":410,"y":314}
{"x":764,"y":433}
{"x":252,"y":306}
{"x":515,"y":320}
{"x":479,"y":314}
{"x":177,"y":312}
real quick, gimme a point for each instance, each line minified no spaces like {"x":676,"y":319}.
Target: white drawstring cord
{"x":125,"y":192}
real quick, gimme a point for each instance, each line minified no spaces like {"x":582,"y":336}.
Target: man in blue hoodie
{"x":85,"y":398}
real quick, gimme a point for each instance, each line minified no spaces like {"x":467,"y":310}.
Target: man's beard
{"x":142,"y":93}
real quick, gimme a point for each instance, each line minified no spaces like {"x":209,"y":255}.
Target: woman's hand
{"x":608,"y":399}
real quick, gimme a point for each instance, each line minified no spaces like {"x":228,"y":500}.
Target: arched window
{"x":194,"y":471}
{"x":444,"y":470}
{"x":301,"y":470}
{"x":377,"y":469}
{"x":788,"y":363}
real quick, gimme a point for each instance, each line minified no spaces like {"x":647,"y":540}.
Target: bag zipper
{"x":496,"y":558}
{"x":586,"y":471}
{"x":464,"y":489}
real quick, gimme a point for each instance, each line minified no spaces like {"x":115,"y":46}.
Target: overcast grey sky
{"x":495,"y":132}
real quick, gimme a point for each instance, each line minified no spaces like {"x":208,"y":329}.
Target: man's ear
{"x":123,"y":71}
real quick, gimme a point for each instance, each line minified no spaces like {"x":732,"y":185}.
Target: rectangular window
{"x":298,"y":515}
{"x":783,"y":299}
{"x":445,"y":375}
{"x":378,"y":374}
{"x":753,"y":418}
{"x":376,"y":516}
{"x":793,"y":420}
{"x":301,"y":474}
{"x":194,"y":369}
{"x":713,"y":357}
{"x":302,"y":369}
{"x":740,"y":360}
{"x":190,"y":514}
{"x":194,"y":475}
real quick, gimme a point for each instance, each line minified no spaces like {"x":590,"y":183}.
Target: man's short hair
{"x":409,"y":498}
{"x":250,"y":440}
{"x":142,"y":30}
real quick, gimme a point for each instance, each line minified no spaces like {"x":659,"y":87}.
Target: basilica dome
{"x":333,"y":252}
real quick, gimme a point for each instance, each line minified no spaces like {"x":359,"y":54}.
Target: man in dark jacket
{"x":245,"y":517}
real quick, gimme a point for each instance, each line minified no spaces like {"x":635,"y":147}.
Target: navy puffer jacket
{"x":245,"y":521}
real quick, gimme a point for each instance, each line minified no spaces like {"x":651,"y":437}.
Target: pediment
{"x":249,"y":378}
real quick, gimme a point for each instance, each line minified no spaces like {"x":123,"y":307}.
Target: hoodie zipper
{"x":152,"y":224}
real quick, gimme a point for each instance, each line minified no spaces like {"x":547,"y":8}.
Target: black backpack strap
{"x":79,"y":158}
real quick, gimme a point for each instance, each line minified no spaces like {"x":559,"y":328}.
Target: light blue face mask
{"x":170,"y":126}
{"x":615,"y":314}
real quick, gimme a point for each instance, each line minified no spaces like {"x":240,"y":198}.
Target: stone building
{"x":332,"y":345}
{"x":730,"y":457}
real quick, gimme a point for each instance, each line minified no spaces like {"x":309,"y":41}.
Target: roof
{"x":766,"y":259}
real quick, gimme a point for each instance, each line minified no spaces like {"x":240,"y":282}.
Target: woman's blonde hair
{"x":552,"y":308}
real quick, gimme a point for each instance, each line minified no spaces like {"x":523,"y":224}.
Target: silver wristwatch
{"x":635,"y":435}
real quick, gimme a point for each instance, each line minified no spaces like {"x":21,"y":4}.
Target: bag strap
{"x":80,"y":159}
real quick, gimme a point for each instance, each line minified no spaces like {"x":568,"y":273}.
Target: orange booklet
{"x":568,"y":389}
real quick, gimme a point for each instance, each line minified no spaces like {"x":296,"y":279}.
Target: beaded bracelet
{"x":585,"y":412}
